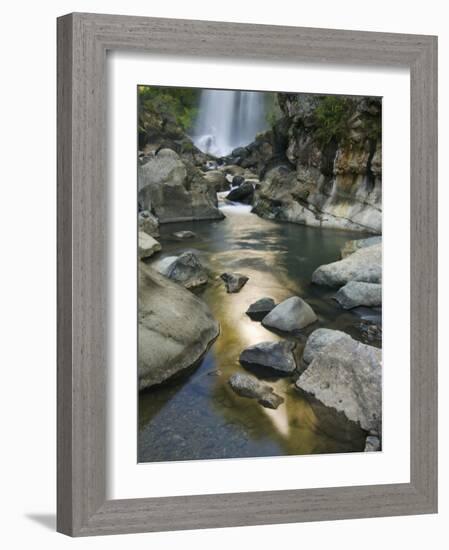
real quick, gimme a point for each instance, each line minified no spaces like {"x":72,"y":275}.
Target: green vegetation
{"x":273,"y":111}
{"x":161,"y":109}
{"x":332,"y":115}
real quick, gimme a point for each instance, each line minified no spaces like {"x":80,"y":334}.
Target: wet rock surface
{"x":234,"y":281}
{"x":272,"y":358}
{"x":259,"y":309}
{"x":249,"y":386}
{"x":291,"y":315}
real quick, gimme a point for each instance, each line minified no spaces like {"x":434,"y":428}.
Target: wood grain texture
{"x":83,"y":40}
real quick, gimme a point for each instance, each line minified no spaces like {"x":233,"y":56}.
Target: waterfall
{"x":228,"y":119}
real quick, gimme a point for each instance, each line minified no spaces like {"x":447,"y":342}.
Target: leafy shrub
{"x":331,"y":118}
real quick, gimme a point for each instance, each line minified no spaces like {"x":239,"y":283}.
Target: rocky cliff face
{"x":321,"y":165}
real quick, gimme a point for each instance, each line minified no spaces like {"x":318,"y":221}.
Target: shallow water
{"x":198,"y":416}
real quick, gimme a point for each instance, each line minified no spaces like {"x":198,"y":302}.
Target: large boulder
{"x":167,"y":344}
{"x":234,"y":281}
{"x":147,"y":245}
{"x":273,"y":357}
{"x":246,"y":385}
{"x":363,"y":265}
{"x":244,"y":193}
{"x":351,"y":246}
{"x":259,"y":309}
{"x":217,"y":179}
{"x":290,"y":315}
{"x":185,"y":269}
{"x":356,"y":293}
{"x":175,"y":190}
{"x":347,"y":376}
{"x":318,"y":340}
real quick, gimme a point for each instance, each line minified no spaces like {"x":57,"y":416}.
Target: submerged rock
{"x":274,"y":357}
{"x":184,"y":234}
{"x":290,"y":315}
{"x":167,"y":344}
{"x":147,"y":245}
{"x":246,"y":385}
{"x":357,"y":293}
{"x":234,"y":281}
{"x":185,"y":269}
{"x":363,"y":265}
{"x":351,"y":246}
{"x":347,"y":376}
{"x":258,"y":310}
{"x":319,"y":339}
{"x":244,"y":193}
{"x":371,"y":332}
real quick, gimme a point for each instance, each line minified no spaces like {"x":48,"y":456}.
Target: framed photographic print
{"x":247,"y":283}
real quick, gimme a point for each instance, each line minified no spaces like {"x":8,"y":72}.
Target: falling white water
{"x":228,"y":119}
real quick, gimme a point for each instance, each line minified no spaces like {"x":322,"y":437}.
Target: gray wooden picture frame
{"x":83,"y":40}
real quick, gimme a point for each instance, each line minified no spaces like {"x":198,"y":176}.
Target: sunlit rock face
{"x":335,"y":183}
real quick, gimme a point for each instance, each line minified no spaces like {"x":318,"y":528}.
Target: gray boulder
{"x":234,"y":281}
{"x":175,"y":190}
{"x":167,"y":344}
{"x":319,"y":339}
{"x":351,"y":246}
{"x":290,"y":315}
{"x":357,"y":293}
{"x":347,"y":376}
{"x":147,"y":245}
{"x":272,"y":357}
{"x":217,"y":179}
{"x":148,"y":223}
{"x":185,"y":269}
{"x":259,"y":309}
{"x":246,"y":385}
{"x":364,"y":265}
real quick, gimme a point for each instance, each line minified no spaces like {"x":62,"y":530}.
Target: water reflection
{"x":199,"y":416}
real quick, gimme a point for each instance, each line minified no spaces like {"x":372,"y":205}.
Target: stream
{"x":198,"y":416}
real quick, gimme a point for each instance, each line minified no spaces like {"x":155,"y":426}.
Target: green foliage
{"x":272,"y":109}
{"x":160,"y":106}
{"x":331,"y":118}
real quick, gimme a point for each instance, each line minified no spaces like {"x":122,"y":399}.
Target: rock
{"x":246,"y":385}
{"x":351,"y":246}
{"x":371,"y":332}
{"x":290,"y":315}
{"x":167,"y":344}
{"x":234,"y":281}
{"x":175,"y":189}
{"x":243,"y":194}
{"x":356,"y":293}
{"x":239,"y":152}
{"x":185,"y":269}
{"x":147,"y":245}
{"x":258,"y":310}
{"x":319,"y":339}
{"x":273,"y":357}
{"x":148,"y":223}
{"x":347,"y":376}
{"x":372,"y":444}
{"x":184,"y":234}
{"x":363,"y":265}
{"x":237,"y":181}
{"x":217,"y":179}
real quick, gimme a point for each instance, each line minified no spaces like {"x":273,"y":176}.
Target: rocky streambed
{"x":260,"y":383}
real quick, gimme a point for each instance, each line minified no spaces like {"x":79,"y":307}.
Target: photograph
{"x":259,"y":274}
